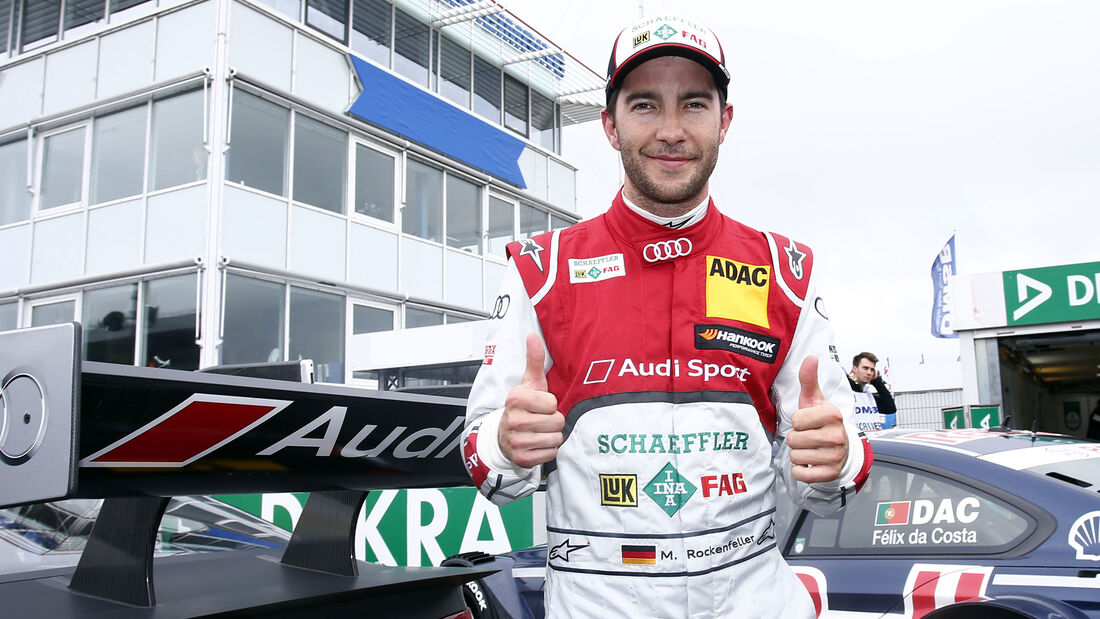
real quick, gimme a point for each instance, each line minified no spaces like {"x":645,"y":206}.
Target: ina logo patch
{"x":666,"y":32}
{"x":669,"y":490}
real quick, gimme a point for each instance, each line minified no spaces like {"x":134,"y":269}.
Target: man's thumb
{"x":534,"y":377}
{"x":810,"y":393}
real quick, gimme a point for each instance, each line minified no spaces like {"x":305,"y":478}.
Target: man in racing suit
{"x":656,"y":364}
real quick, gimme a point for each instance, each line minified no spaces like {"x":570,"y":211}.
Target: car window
{"x":911,"y":511}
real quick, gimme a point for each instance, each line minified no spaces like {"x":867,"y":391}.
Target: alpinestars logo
{"x":794,"y":260}
{"x":533,"y":249}
{"x":194,"y":428}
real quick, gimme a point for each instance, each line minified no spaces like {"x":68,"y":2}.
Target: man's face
{"x":865,"y":371}
{"x":667,"y":126}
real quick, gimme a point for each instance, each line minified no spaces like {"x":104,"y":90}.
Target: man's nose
{"x":671,"y":127}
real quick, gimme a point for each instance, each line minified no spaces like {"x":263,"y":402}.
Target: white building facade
{"x":202,"y":182}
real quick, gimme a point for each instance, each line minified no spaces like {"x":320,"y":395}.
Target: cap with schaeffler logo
{"x":666,"y":35}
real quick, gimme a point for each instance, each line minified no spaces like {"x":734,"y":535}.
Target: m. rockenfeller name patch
{"x":721,"y":337}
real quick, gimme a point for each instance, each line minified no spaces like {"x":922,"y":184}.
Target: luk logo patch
{"x":669,"y":490}
{"x":619,"y":490}
{"x":641,"y":38}
{"x":720,"y":337}
{"x":737,"y":291}
{"x":585,"y":270}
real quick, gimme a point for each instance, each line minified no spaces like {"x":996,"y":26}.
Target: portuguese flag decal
{"x":892,"y":513}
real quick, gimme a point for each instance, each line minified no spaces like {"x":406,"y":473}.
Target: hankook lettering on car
{"x":667,"y":250}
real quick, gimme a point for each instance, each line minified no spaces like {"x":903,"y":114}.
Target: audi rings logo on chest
{"x":500,"y":307}
{"x":667,"y":250}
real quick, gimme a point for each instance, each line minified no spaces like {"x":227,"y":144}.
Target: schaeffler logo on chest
{"x":585,"y":270}
{"x":669,"y":490}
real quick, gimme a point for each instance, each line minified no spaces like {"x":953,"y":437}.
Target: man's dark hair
{"x":864,"y":355}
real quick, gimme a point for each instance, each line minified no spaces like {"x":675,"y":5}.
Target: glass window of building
{"x":515,"y":105}
{"x":374,"y":184}
{"x":502,"y":224}
{"x":9,"y":316}
{"x":253,"y":323}
{"x":557,"y":222}
{"x":178,"y":155}
{"x":258,"y":144}
{"x":320,"y":164}
{"x":62,"y":168}
{"x":290,"y":8}
{"x":317,"y":332}
{"x":5,"y":23}
{"x":40,"y":23}
{"x":367,"y":319}
{"x":371,"y":26}
{"x":423,"y":213}
{"x":15,"y":200}
{"x":543,"y":121}
{"x":411,"y":43}
{"x":486,"y":89}
{"x":81,"y":12}
{"x":531,"y":221}
{"x":415,"y":317}
{"x":328,"y":16}
{"x":121,"y":5}
{"x":463,"y":215}
{"x":169,"y":330}
{"x":53,"y":313}
{"x":109,"y":321}
{"x":118,"y":155}
{"x":454,"y":72}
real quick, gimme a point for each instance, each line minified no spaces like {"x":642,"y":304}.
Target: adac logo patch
{"x":618,"y":490}
{"x":585,"y":270}
{"x":670,"y":490}
{"x":720,"y":337}
{"x":738,"y":291}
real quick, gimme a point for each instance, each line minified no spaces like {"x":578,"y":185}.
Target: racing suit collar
{"x":656,"y":243}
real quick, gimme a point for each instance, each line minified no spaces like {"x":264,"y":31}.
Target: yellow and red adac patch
{"x":738,"y":291}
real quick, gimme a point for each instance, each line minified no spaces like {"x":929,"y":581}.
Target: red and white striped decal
{"x":814,"y":581}
{"x":194,"y":428}
{"x":932,"y":586}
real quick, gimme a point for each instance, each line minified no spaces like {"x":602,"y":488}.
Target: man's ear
{"x":727,"y":118}
{"x":609,"y":129}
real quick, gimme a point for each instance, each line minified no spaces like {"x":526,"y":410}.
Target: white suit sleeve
{"x":813,"y":336}
{"x":500,"y":480}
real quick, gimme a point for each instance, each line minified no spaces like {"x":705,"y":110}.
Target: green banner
{"x":985,"y":417}
{"x":414,"y":527}
{"x":1052,"y":294}
{"x":953,"y":418}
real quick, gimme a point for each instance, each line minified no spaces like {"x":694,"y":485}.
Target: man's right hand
{"x":530,"y":430}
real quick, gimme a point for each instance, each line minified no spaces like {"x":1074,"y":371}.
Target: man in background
{"x":863,"y":374}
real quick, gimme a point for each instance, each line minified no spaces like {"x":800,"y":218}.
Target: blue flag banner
{"x":398,"y":106}
{"x":942,"y":269}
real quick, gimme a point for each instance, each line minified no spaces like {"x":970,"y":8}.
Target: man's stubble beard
{"x":665,"y":199}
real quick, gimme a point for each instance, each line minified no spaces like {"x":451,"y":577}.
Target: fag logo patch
{"x":737,"y":291}
{"x":584,"y":270}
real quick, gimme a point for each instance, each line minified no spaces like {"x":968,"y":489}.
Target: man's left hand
{"x":818,"y":442}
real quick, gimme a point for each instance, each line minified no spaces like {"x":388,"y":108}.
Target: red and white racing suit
{"x":674,"y":355}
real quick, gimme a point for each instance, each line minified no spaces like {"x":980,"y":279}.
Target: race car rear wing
{"x":85,"y":429}
{"x":137,"y":435}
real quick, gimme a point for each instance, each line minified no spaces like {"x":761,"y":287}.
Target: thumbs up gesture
{"x":530,"y":430}
{"x":818,"y":441}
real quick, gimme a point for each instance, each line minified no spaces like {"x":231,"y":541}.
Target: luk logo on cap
{"x":737,"y":291}
{"x":641,"y":38}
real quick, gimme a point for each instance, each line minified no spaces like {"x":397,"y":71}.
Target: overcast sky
{"x":872,"y":130}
